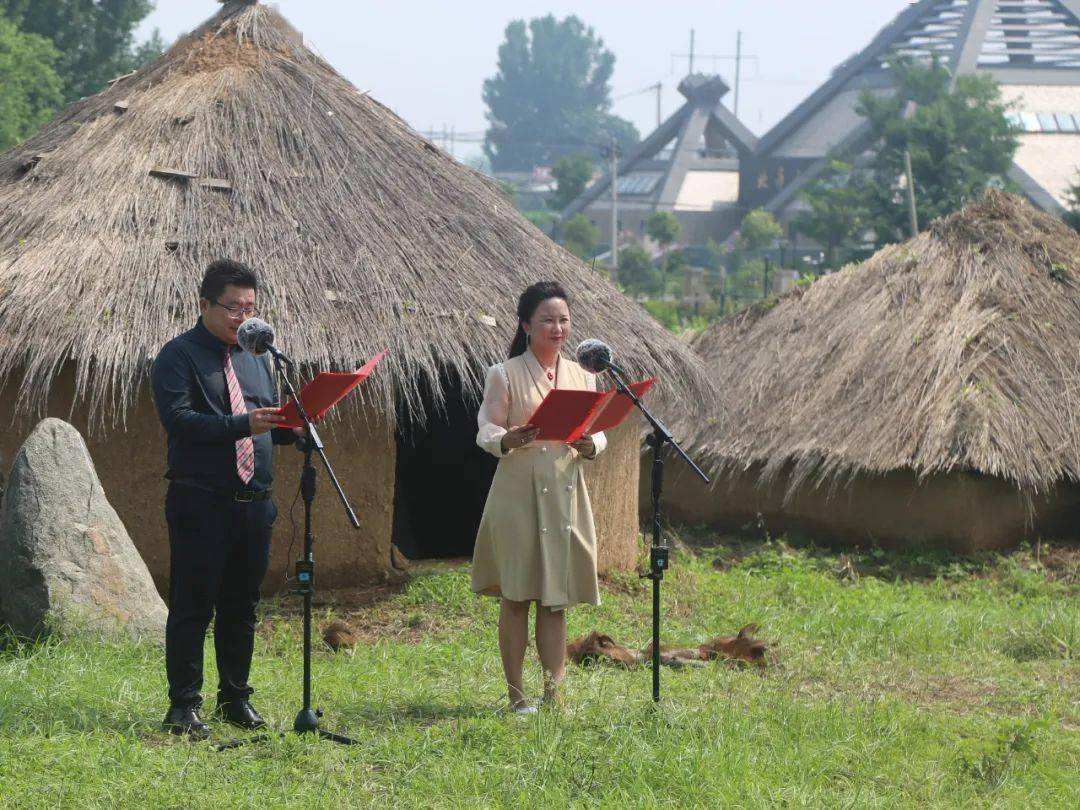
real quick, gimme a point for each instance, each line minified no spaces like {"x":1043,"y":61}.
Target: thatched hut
{"x":241,"y":142}
{"x":924,"y":396}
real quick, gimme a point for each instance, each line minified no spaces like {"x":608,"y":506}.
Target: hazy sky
{"x":427,"y":59}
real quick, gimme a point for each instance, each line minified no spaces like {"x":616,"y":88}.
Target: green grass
{"x":899,"y":680}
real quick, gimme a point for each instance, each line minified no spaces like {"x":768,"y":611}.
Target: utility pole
{"x":659,"y":88}
{"x":691,"y":51}
{"x":738,"y":66}
{"x":913,"y":217}
{"x":614,"y":208}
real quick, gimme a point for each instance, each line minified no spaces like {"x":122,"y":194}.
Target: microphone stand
{"x":659,"y":551}
{"x":307,"y":720}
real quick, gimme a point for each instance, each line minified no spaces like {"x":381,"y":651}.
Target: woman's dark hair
{"x":534,"y":296}
{"x":226,"y":271}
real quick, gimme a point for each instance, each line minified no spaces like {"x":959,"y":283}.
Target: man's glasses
{"x":238,"y":312}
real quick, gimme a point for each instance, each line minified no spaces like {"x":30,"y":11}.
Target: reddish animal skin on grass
{"x":743,"y":648}
{"x":339,"y":635}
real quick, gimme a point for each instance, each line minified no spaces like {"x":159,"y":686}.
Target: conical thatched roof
{"x":959,"y":350}
{"x":240,"y":142}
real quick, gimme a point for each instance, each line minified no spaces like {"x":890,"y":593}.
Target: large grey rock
{"x":67,"y":564}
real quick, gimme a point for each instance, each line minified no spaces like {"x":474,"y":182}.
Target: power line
{"x":738,"y":57}
{"x":657,"y":88}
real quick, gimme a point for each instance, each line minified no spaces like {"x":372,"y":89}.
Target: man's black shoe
{"x":184,"y":721}
{"x":240,"y":713}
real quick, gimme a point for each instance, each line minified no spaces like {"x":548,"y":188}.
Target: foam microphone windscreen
{"x":594,"y":355}
{"x":255,"y":336}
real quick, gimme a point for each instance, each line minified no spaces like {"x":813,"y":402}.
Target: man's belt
{"x":248,"y":495}
{"x":238,"y":495}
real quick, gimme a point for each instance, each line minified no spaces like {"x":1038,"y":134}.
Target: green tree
{"x":1071,"y":214}
{"x":572,"y":173}
{"x":837,"y":209}
{"x":666,"y":313}
{"x":745,"y":283}
{"x":544,"y":220}
{"x":580,"y":236}
{"x":672,"y":267}
{"x":551,"y":94}
{"x":663,"y":228}
{"x":30,"y":89}
{"x":958,"y":136}
{"x":636,"y":271}
{"x":758,"y":230}
{"x":95,"y":38}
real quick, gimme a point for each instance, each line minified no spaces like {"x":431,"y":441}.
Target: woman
{"x":536,"y":541}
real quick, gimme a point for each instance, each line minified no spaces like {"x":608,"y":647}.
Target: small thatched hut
{"x":241,"y":142}
{"x":922,"y":397}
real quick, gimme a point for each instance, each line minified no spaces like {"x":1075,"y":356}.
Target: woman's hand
{"x":518,"y":437}
{"x":585,"y":446}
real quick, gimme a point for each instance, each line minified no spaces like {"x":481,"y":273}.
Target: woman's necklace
{"x":553,"y":376}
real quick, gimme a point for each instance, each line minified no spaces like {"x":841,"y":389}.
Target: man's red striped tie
{"x":245,"y":448}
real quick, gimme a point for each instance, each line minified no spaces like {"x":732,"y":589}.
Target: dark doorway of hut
{"x":442,"y":477}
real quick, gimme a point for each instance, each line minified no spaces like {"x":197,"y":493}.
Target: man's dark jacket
{"x":192,"y":401}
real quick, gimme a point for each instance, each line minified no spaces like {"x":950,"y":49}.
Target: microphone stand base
{"x":307,"y":722}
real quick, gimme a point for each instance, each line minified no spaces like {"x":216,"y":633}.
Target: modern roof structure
{"x":689,"y":165}
{"x":702,"y":162}
{"x":1031,"y":47}
{"x":684,"y":163}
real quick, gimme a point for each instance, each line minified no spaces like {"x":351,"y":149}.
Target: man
{"x":217,"y":405}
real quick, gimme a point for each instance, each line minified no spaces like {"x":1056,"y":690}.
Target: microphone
{"x":595,"y":356}
{"x":256,"y":336}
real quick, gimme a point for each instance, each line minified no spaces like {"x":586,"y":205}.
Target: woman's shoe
{"x":522,"y":708}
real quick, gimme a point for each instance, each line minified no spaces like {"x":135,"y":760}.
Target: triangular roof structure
{"x":1031,"y":47}
{"x":953,"y":352}
{"x":241,"y":142}
{"x":701,"y":136}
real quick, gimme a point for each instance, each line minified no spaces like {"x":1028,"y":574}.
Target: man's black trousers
{"x":219,"y":551}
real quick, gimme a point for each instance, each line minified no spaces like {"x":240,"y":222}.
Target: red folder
{"x":566,"y":415}
{"x":324,"y":392}
{"x":619,"y":406}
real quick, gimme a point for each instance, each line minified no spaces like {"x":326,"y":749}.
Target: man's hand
{"x":263,"y":420}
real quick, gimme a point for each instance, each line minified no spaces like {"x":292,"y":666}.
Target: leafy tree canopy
{"x":30,"y":88}
{"x":758,"y":230}
{"x":551,"y":95}
{"x":958,"y":136}
{"x":663,"y":228}
{"x":959,"y":139}
{"x":580,"y":236}
{"x":1072,"y":205}
{"x":636,"y":270}
{"x":572,"y":173}
{"x":837,"y":211}
{"x":95,"y":38}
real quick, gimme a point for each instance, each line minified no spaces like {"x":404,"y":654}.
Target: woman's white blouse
{"x":496,"y":406}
